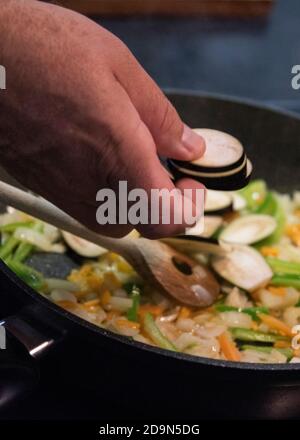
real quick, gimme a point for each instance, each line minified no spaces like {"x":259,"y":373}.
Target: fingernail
{"x":193,"y":143}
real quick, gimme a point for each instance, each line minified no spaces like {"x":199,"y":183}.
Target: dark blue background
{"x":248,"y":58}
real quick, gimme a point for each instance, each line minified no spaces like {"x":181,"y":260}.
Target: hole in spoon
{"x":182,"y":266}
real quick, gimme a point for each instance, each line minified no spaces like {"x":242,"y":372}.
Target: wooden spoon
{"x":168,"y":270}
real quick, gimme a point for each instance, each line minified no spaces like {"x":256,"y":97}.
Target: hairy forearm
{"x":39,"y":75}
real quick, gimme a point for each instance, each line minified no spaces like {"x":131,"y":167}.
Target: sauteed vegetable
{"x":259,"y":272}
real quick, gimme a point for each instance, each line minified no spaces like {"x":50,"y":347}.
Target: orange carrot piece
{"x":66,"y":304}
{"x":91,"y":303}
{"x":229,"y":348}
{"x":269,"y":251}
{"x":105,"y":297}
{"x":279,"y":291}
{"x":282,"y":344}
{"x":184,"y":312}
{"x":149,"y":308}
{"x":276,"y":324}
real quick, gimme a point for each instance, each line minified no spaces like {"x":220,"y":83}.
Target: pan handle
{"x":22,"y":342}
{"x":18,"y":370}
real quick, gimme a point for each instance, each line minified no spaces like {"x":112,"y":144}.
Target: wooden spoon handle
{"x":49,"y":213}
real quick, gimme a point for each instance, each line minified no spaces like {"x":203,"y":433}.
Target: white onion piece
{"x":249,"y":229}
{"x":83,"y":247}
{"x":12,"y":217}
{"x":58,"y":248}
{"x":237,"y":298}
{"x":242,"y":266}
{"x":120,"y":304}
{"x":236,"y":319}
{"x":253,"y":356}
{"x":291,"y":316}
{"x":33,"y":237}
{"x":62,"y":295}
{"x":57,"y":283}
{"x":278,"y":302}
{"x":51,"y":232}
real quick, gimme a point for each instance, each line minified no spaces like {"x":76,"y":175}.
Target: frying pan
{"x":134,"y":380}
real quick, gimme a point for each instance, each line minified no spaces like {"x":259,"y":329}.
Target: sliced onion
{"x":236,"y":319}
{"x":242,"y":266}
{"x":291,"y":316}
{"x":57,"y":283}
{"x":33,"y":237}
{"x":62,"y":295}
{"x":120,"y":304}
{"x":278,"y":302}
{"x":249,"y":229}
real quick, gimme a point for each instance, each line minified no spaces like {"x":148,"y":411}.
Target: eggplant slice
{"x":242,"y":266}
{"x":224,"y":165}
{"x":218,"y":202}
{"x":249,"y":229}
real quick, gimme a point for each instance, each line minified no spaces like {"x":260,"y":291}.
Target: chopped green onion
{"x":30,"y":276}
{"x":24,"y":249}
{"x":269,"y":206}
{"x":132,"y":313}
{"x":275,"y":209}
{"x":283,"y":267}
{"x":244,"y":334}
{"x":155,"y":334}
{"x":8,"y":247}
{"x":11,"y":227}
{"x":286,"y":280}
{"x":287,"y":352}
{"x":223,"y":308}
{"x":252,"y":311}
{"x":130,"y":285}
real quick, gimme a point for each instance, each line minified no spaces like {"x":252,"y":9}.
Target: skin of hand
{"x":79,"y":114}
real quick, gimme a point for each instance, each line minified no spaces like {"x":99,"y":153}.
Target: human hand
{"x":81,"y":114}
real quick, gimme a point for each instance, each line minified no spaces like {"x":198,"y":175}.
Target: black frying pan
{"x":135,"y":380}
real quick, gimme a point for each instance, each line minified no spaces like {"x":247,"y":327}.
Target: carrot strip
{"x":125,"y":323}
{"x":184,"y":312}
{"x":149,"y":308}
{"x":282,"y":344}
{"x":276,"y":324}
{"x":92,"y":302}
{"x":269,"y":251}
{"x":105,"y":297}
{"x":279,"y":291}
{"x":229,"y":348}
{"x":66,"y":304}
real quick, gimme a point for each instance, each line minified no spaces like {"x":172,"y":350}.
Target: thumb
{"x":172,"y":137}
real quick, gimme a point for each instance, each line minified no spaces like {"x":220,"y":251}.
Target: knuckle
{"x":170,"y":121}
